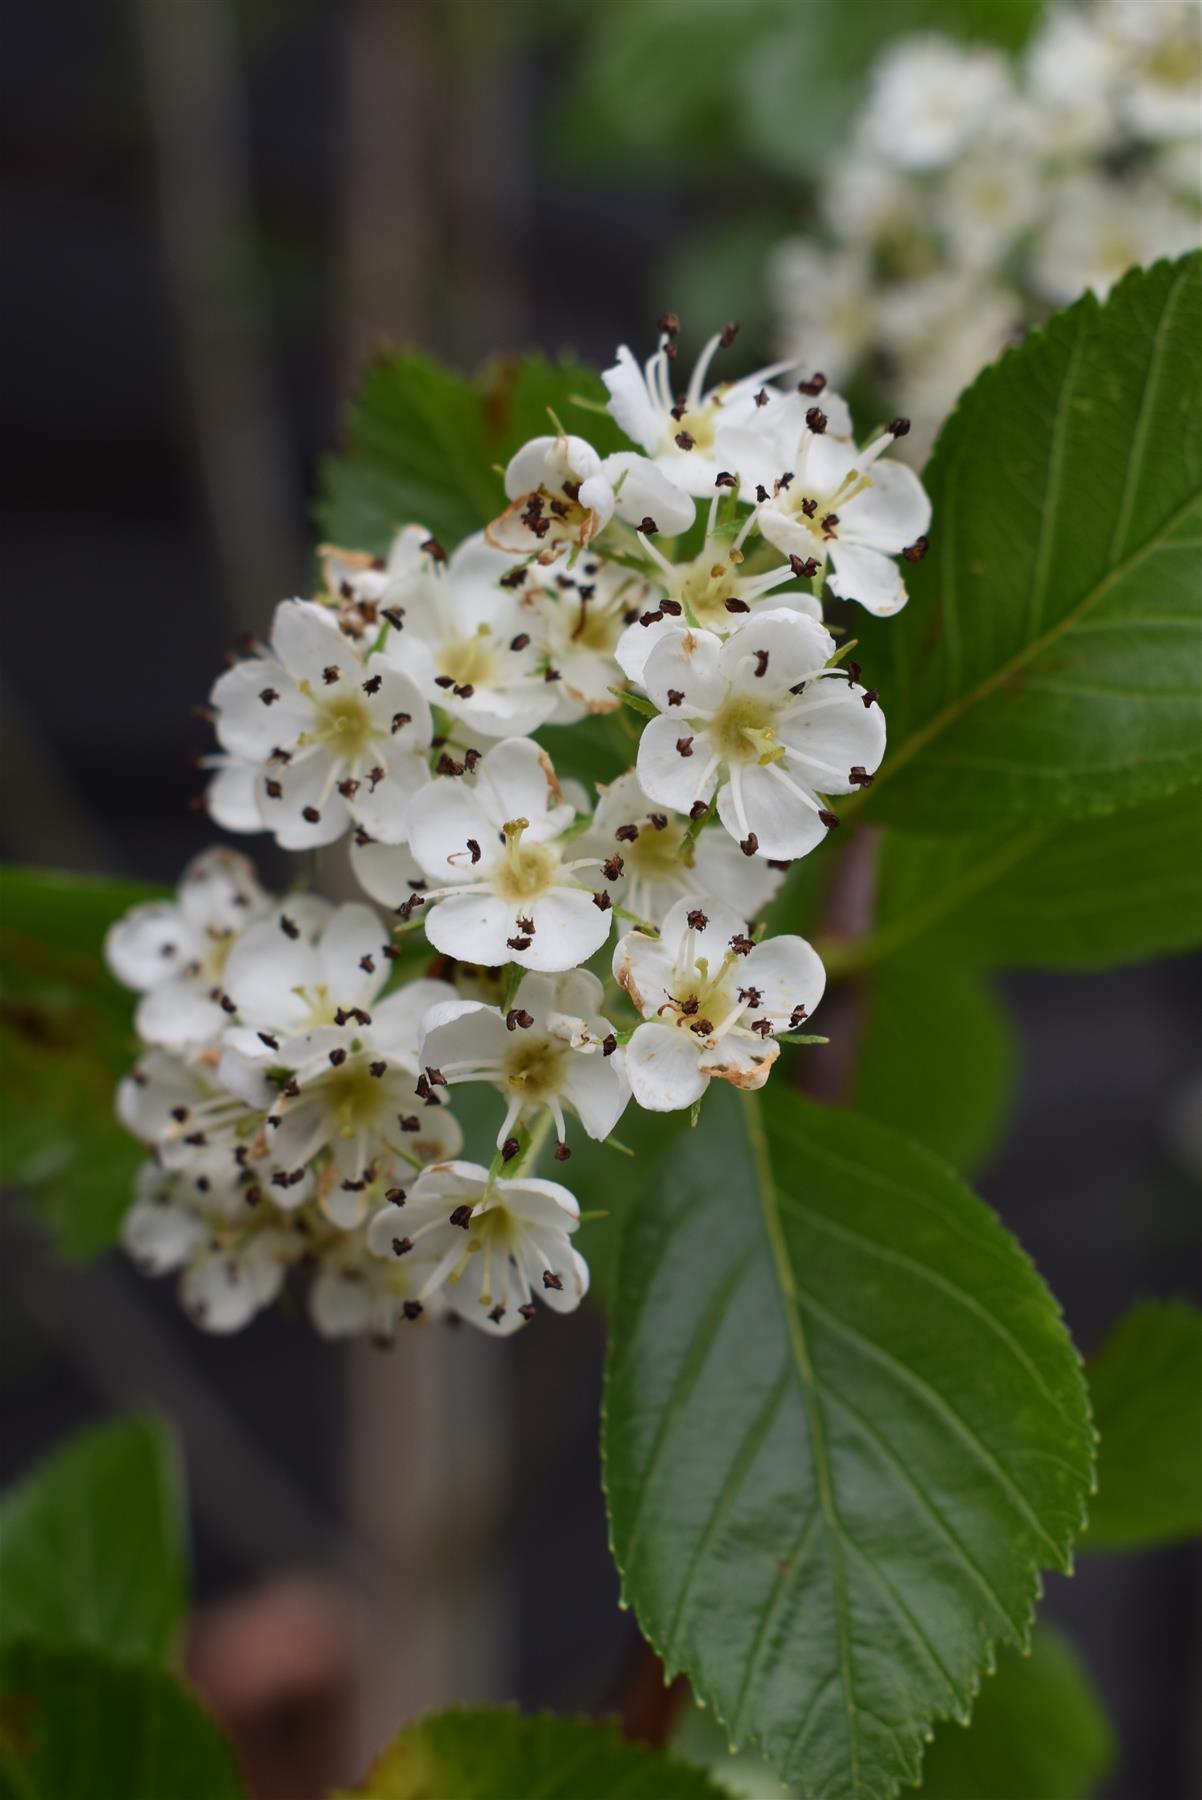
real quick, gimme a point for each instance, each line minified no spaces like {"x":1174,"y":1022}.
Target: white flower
{"x":495,"y":851}
{"x":987,"y":200}
{"x":711,"y":590}
{"x":233,"y":1262}
{"x":388,"y":873}
{"x":359,"y":580}
{"x":643,"y":850}
{"x":298,"y":970}
{"x":461,"y":632}
{"x":205,"y":1118}
{"x":174,"y":952}
{"x":337,"y":739}
{"x":232,"y":796}
{"x":495,"y":1245}
{"x":1098,"y":229}
{"x":697,"y":435}
{"x":578,"y":620}
{"x":929,"y":96}
{"x":552,"y":1049}
{"x":828,"y":501}
{"x":562,"y":494}
{"x":824,"y":300}
{"x":712,"y":1002}
{"x":1070,"y":72}
{"x":1158,"y":50}
{"x":355,"y":1293}
{"x":762,"y":721}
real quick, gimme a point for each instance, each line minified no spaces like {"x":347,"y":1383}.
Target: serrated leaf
{"x":424,"y":442}
{"x":1043,"y":668}
{"x":483,"y":1753}
{"x":935,"y":1056}
{"x":65,"y":1037}
{"x":845,"y":1427}
{"x":91,"y":1544}
{"x":1037,"y":1730}
{"x":1146,"y":1387}
{"x":1089,"y":895}
{"x":76,"y":1724}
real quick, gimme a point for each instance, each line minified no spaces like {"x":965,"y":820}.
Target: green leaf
{"x":1037,"y":1730}
{"x":1043,"y":669}
{"x":423,"y":443}
{"x":844,"y":1429}
{"x":78,"y":1725}
{"x":936,"y":1057}
{"x":482,"y":1754}
{"x":65,"y":1038}
{"x":1089,"y":895}
{"x":1147,"y":1396}
{"x":91,"y":1544}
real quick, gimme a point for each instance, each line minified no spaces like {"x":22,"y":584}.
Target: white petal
{"x":179,"y":1015}
{"x":746,"y":1062}
{"x":305,"y":786}
{"x":597,"y":1088}
{"x":539,"y":1202}
{"x":866,"y":575}
{"x":761,"y":803}
{"x":646,"y":492}
{"x":249,"y":726}
{"x":568,"y":929}
{"x":630,"y":403}
{"x":788,"y":973}
{"x":711,"y":940}
{"x":473,"y":928}
{"x":663,"y":1066}
{"x":306,"y":639}
{"x":645,"y":967}
{"x":636,"y":644}
{"x":829,"y":733}
{"x":460,"y":1032}
{"x":150,"y":945}
{"x":340,"y":1303}
{"x":669,"y":778}
{"x":890,"y":514}
{"x":443,"y":818}
{"x":685,"y":662}
{"x":232,"y":796}
{"x":786,"y":645}
{"x":354,"y":933}
{"x":264,"y":971}
{"x":723,"y":872}
{"x":161,"y":1235}
{"x":388,"y":873}
{"x":515,"y":780}
{"x":548,"y":462}
{"x":572,"y":1270}
{"x":220,"y":891}
{"x":397,"y":1019}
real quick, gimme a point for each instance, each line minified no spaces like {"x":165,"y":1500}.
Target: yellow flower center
{"x":743,"y":731}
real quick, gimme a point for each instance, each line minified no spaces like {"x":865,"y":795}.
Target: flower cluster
{"x":302,"y":1061}
{"x":977,"y":195}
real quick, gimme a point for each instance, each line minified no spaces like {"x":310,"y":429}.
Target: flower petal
{"x":665,"y":774}
{"x":663,"y":1066}
{"x":473,"y":928}
{"x":746,"y":1062}
{"x":829,"y":732}
{"x":568,"y":929}
{"x":774,"y":650}
{"x":788,"y":973}
{"x":685,"y":662}
{"x":646,"y":492}
{"x":756,"y":801}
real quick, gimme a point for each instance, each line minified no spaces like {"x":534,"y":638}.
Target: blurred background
{"x":214,"y":212}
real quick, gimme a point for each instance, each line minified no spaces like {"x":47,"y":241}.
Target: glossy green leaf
{"x":935,"y":1056}
{"x":76,"y":1724}
{"x":482,"y":1754}
{"x":845,"y":1427}
{"x":1089,"y":895}
{"x":65,"y":1038}
{"x":91,"y":1544}
{"x":1045,"y":667}
{"x":424,"y":442}
{"x":1037,"y":1731}
{"x":1146,"y":1387}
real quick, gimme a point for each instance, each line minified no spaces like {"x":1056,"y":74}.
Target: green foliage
{"x":1090,"y":895}
{"x":687,"y":83}
{"x":76,"y":1724}
{"x":1037,"y":1730}
{"x":1146,"y":1387}
{"x":65,"y":1037}
{"x":479,"y":1754}
{"x":91,"y":1547}
{"x":423,"y":443}
{"x":935,"y":1056}
{"x":844,"y":1428}
{"x":1043,"y":669}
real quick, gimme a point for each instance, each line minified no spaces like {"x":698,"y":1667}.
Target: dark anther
{"x":444,"y":681}
{"x":736,"y":606}
{"x":668,"y":324}
{"x":750,"y":844}
{"x":447,"y":765}
{"x":675,"y":696}
{"x":728,"y":334}
{"x":816,"y":420}
{"x":609,"y":1045}
{"x":829,"y":819}
{"x":400,"y":1246}
{"x":761,"y":492}
{"x":509,"y":1149}
{"x":685,"y":440}
{"x":337,"y":1058}
{"x":514,"y":578}
{"x":917,"y":550}
{"x":612,"y":868}
{"x":697,"y":920}
{"x":396,"y":1196}
{"x":804,"y":570}
{"x":626,"y":834}
{"x":750,"y":996}
{"x":227,"y":1004}
{"x":394,"y":615}
{"x":518,"y":1019}
{"x":726,"y":479}
{"x":680,"y":409}
{"x":310,"y":814}
{"x":348,"y":788}
{"x":761,"y":662}
{"x":274,"y":790}
{"x":179,"y":1114}
{"x":433,"y":548}
{"x":400,"y":720}
{"x":651,"y":618}
{"x":409,"y":1122}
{"x":870,"y":694}
{"x":465,"y":690}
{"x":330,"y":674}
{"x":497,"y":1314}
{"x":684,"y":746}
{"x":470,"y":759}
{"x":829,"y":522}
{"x":762,"y":398}
{"x":763,"y":1026}
{"x":550,"y":674}
{"x":659,"y":821}
{"x":375,"y":777}
{"x":267,"y":695}
{"x":372,"y":684}
{"x":814,"y":386}
{"x":265,"y":1037}
{"x":899,"y":427}
{"x":520,"y":641}
{"x":462,"y":1216}
{"x":797,"y":1017}
{"x":562,"y":1151}
{"x":648,"y":527}
{"x":289,"y":927}
{"x":859,"y":776}
{"x":702,"y":1027}
{"x":412,"y":1309}
{"x":699,"y":809}
{"x":602,"y":901}
{"x":809,"y":508}
{"x":378,"y":1069}
{"x":528,"y":1311}
{"x":473,"y":849}
{"x":672,"y":608}
{"x":551,"y":1280}
{"x":518,"y":943}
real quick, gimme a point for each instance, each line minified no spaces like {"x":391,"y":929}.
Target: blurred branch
{"x":210,"y":244}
